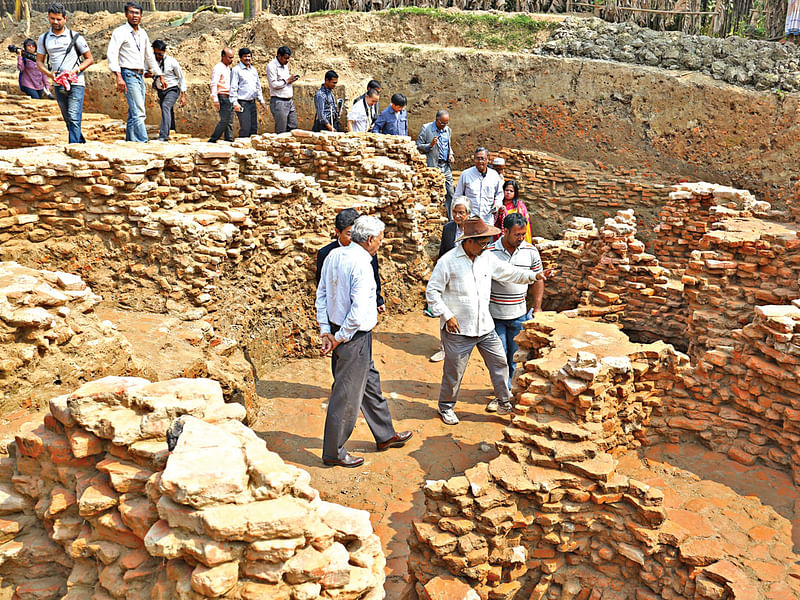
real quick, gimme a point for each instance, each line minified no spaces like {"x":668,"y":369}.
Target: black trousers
{"x":356,"y":387}
{"x":225,"y":125}
{"x":248,"y":118}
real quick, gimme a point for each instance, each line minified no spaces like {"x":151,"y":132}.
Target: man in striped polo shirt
{"x":507,"y":300}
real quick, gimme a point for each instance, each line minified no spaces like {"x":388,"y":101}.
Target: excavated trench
{"x":204,"y":256}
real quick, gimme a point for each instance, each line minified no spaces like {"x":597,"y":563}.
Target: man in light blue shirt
{"x":346,"y":313}
{"x":483,"y":186}
{"x":245,"y":92}
{"x":434,"y":142}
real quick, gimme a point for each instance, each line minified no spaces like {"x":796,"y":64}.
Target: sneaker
{"x":448,"y":416}
{"x":438,"y":357}
{"x":492,"y":406}
{"x":504,"y":409}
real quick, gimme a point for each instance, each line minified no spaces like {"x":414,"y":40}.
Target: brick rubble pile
{"x":563,"y":512}
{"x":50,"y":335}
{"x":95,"y":505}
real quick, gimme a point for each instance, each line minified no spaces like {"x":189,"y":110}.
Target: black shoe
{"x":348,"y":461}
{"x":396,"y":441}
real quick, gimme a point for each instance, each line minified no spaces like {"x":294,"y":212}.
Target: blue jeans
{"x":507,"y":331}
{"x":35,"y":94}
{"x":135,"y":130}
{"x":71,"y":105}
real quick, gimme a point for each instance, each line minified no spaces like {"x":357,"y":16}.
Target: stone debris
{"x":564,"y":512}
{"x":50,"y":336}
{"x":180,"y":228}
{"x":733,"y":59}
{"x":95,"y":505}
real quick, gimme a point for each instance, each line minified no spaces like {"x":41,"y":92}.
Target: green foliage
{"x":484,"y":30}
{"x":188,"y":18}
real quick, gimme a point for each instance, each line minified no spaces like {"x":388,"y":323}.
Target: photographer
{"x":69,"y":56}
{"x":31,"y":80}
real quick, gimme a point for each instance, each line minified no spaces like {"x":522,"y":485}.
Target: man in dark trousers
{"x":327,"y":115}
{"x":344,"y":226}
{"x":347,"y":313}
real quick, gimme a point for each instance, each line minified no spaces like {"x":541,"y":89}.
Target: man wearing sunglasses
{"x":458,"y":292}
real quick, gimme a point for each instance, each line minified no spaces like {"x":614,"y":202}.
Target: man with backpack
{"x":69,"y":56}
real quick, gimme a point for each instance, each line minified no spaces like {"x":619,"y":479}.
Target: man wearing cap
{"x":434,"y":142}
{"x":482,"y":185}
{"x":499,"y":165}
{"x":458,"y":292}
{"x":347,"y":313}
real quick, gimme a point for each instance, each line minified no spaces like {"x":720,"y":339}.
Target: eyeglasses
{"x":483,"y":242}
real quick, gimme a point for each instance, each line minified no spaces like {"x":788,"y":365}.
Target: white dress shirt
{"x":245,"y":84}
{"x":460,"y":288}
{"x":173,"y":75}
{"x":484,"y":191}
{"x":220,"y":80}
{"x":346,"y":294}
{"x":277,"y":77}
{"x":131,"y":49}
{"x":358,"y":117}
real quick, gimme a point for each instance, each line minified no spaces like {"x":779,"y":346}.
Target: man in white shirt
{"x":359,"y":116}
{"x":482,"y":185}
{"x":507,"y":303}
{"x":347,"y":313}
{"x":174,"y":85}
{"x":221,"y":96}
{"x":281,"y":94}
{"x":458,"y":292}
{"x":129,"y":56}
{"x":245,"y":92}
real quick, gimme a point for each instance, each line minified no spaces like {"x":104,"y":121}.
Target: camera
{"x":25,"y":53}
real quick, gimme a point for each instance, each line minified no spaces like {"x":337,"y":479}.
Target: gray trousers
{"x":248,"y":118}
{"x":167,"y":100}
{"x":225,"y":125}
{"x":448,"y":187}
{"x":457,"y":350}
{"x":356,"y":386}
{"x":284,"y":114}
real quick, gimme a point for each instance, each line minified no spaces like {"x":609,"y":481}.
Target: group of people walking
{"x":478,"y":290}
{"x":62,"y":56}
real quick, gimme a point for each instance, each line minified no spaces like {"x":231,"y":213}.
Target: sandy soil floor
{"x":389,"y":484}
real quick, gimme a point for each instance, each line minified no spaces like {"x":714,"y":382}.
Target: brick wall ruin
{"x":565,"y":512}
{"x":555,"y":189}
{"x":95,"y":505}
{"x":182,"y":228}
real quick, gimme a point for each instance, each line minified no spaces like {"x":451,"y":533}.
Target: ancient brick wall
{"x":555,"y":189}
{"x":564,"y":512}
{"x":184,"y":228}
{"x":95,"y":505}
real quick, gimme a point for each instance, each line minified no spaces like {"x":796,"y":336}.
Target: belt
{"x":225,"y":95}
{"x":139,"y":71}
{"x":246,"y":101}
{"x":281,"y":99}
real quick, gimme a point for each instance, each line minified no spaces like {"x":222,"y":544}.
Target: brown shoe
{"x":348,"y":461}
{"x":396,"y":441}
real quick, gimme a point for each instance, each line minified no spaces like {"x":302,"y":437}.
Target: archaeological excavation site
{"x":162,"y":392}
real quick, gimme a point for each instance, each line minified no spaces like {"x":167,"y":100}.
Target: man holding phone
{"x":281,"y":94}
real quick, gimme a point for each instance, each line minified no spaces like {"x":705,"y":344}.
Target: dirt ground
{"x":291,"y":417}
